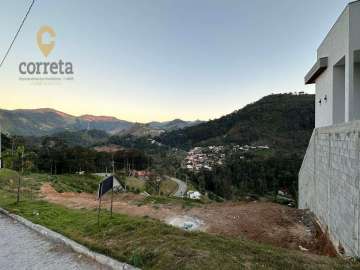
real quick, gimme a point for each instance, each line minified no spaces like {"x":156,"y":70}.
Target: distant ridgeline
{"x":282,"y":121}
{"x":46,"y":121}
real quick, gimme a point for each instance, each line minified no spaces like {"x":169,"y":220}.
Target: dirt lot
{"x":263,"y":222}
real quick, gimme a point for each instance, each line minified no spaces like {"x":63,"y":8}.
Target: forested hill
{"x":281,"y":121}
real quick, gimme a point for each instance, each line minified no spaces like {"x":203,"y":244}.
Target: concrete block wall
{"x":329,"y":183}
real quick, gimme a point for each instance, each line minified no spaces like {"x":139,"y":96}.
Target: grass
{"x":264,"y":153}
{"x":75,"y":183}
{"x":134,"y":183}
{"x":191,"y":187}
{"x":168,"y":187}
{"x":8,"y":179}
{"x":150,"y":244}
{"x":30,"y":183}
{"x":61,"y":183}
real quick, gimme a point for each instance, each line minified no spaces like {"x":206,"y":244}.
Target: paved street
{"x":22,"y":248}
{"x":182,"y":187}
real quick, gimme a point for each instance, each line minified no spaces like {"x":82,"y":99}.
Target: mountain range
{"x":283,"y":121}
{"x":47,"y":121}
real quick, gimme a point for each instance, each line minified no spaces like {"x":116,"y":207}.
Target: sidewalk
{"x":22,"y":248}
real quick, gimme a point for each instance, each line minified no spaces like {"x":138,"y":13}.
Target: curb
{"x":76,"y":247}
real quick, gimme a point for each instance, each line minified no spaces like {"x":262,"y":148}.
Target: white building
{"x":195,"y":195}
{"x":336,"y":72}
{"x":329,"y":178}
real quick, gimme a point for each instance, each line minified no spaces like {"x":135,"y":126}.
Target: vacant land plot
{"x":137,"y":233}
{"x":150,"y":244}
{"x":264,"y":222}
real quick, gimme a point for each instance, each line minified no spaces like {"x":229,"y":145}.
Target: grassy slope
{"x":151,"y":244}
{"x":61,"y":183}
{"x":135,"y":183}
{"x":168,"y":187}
{"x":29,"y":183}
{"x":75,"y":183}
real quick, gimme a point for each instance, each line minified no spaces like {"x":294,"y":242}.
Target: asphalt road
{"x":182,"y":187}
{"x":21,"y":248}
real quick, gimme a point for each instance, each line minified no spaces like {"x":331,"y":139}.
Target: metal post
{"x":99,"y":207}
{"x":112,"y":195}
{"x":112,"y":188}
{"x":18,"y":190}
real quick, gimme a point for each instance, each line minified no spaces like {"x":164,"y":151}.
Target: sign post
{"x":112,"y":196}
{"x":106,"y":185}
{"x":99,"y":207}
{"x":112,"y":187}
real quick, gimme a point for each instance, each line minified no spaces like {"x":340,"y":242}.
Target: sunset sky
{"x":144,"y":60}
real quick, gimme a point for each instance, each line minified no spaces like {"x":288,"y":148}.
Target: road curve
{"x":182,"y":187}
{"x":22,"y":248}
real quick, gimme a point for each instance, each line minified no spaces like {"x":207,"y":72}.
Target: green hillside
{"x":284,"y":122}
{"x":34,"y":122}
{"x":84,"y":138}
{"x":280,"y":121}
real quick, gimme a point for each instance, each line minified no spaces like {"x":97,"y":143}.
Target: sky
{"x":142,"y":60}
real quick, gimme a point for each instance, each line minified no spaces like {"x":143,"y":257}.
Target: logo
{"x":45,"y":70}
{"x":44,"y":47}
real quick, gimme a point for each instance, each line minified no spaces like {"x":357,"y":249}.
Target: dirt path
{"x":263,"y":222}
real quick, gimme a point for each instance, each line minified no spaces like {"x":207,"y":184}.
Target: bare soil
{"x":264,"y":222}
